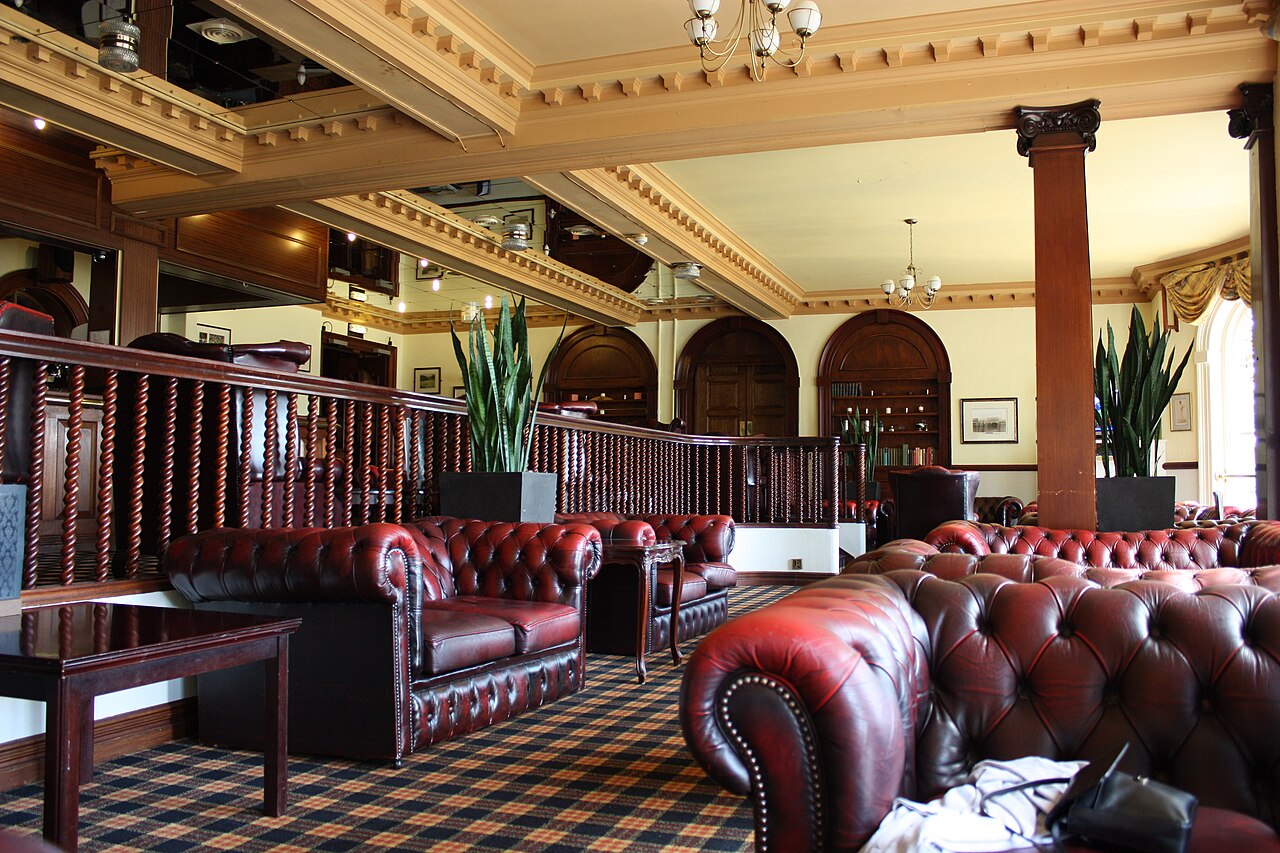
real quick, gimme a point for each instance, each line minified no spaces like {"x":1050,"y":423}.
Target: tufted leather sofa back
{"x":375,"y":562}
{"x":706,"y":538}
{"x":1061,"y":668}
{"x":1180,"y":548}
{"x":1027,"y":568}
{"x":522,"y":561}
{"x":613,"y":527}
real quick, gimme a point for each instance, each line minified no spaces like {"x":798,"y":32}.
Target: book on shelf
{"x":906,"y":455}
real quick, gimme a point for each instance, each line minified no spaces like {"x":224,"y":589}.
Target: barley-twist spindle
{"x":106,"y":471}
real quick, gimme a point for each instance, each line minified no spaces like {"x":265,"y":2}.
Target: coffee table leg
{"x":644,"y":569}
{"x":64,"y":712}
{"x":275,"y":783}
{"x":677,"y":588}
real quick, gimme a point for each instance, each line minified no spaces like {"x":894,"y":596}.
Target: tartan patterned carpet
{"x":603,"y":769}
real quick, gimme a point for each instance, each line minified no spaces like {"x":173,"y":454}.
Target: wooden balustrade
{"x":157,"y":446}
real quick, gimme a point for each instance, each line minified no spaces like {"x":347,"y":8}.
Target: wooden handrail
{"x":186,"y":444}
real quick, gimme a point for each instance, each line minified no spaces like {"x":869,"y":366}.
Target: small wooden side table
{"x":646,"y":559}
{"x":65,"y":655}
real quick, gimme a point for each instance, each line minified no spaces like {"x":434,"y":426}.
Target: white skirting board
{"x":772,"y":549}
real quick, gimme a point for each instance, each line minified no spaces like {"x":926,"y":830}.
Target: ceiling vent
{"x":221,"y":31}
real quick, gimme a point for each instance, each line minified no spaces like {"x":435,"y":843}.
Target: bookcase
{"x":612,"y":368}
{"x":893,"y":363}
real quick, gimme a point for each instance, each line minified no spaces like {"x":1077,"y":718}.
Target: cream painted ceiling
{"x":791,"y":191}
{"x":831,"y":217}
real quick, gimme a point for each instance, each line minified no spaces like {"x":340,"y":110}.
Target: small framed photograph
{"x":212,"y":334}
{"x":459,"y":392}
{"x":989,"y":420}
{"x":426,"y":380}
{"x":1180,"y":412}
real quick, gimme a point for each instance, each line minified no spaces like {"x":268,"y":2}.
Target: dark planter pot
{"x":519,"y":496}
{"x":1135,"y":503}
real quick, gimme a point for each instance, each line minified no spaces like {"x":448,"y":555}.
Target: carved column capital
{"x":1082,"y":118}
{"x":1254,"y":113}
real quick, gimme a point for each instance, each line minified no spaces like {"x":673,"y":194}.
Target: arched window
{"x":1225,"y":378}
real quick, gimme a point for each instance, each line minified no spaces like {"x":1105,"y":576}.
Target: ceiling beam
{"x":398,"y":52}
{"x":1197,"y":71}
{"x":410,"y":224}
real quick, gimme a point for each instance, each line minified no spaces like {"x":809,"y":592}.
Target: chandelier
{"x":759,"y":18}
{"x":903,"y":293}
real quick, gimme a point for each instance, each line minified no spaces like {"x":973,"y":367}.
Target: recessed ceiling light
{"x":39,"y":123}
{"x":351,"y":236}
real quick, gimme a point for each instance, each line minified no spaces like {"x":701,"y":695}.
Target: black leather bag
{"x":1108,"y":808}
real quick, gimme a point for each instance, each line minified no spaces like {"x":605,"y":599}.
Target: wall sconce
{"x":357,"y":294}
{"x":356,"y":331}
{"x":118,"y":45}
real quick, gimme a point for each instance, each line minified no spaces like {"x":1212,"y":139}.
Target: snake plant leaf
{"x":1133,"y":390}
{"x":501,"y":397}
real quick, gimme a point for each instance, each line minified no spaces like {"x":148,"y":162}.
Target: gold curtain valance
{"x":1190,"y":290}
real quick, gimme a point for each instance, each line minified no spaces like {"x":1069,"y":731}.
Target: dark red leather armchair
{"x":707,"y":541}
{"x":925,"y":497}
{"x":828,"y":704}
{"x":410,"y":634}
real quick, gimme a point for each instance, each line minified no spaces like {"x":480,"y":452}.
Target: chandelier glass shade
{"x":758,"y":20}
{"x":903,"y":293}
{"x":118,"y":41}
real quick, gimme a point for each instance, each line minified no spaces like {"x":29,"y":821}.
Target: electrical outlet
{"x":796,"y":564}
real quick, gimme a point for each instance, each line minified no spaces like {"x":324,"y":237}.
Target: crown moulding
{"x":859,"y":48}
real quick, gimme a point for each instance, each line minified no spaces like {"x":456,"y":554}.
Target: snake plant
{"x":1132,"y":392}
{"x":501,"y":396}
{"x":857,"y":430}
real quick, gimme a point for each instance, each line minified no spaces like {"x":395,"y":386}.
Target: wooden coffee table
{"x":65,"y":655}
{"x":646,"y":559}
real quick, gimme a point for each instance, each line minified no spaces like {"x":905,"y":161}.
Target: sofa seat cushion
{"x":717,"y":575}
{"x":538,"y":625}
{"x":693,"y":588}
{"x":454,"y":640}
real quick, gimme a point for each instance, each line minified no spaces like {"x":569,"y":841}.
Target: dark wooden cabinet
{"x":611,"y":367}
{"x":893,"y":363}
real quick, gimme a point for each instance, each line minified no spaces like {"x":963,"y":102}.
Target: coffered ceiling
{"x":790,"y":191}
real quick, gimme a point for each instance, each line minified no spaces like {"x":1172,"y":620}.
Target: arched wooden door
{"x":738,"y":376}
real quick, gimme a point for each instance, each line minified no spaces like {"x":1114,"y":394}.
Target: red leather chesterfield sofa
{"x":704,"y":600}
{"x":1246,"y":545}
{"x":1025,"y":568}
{"x":828,"y":704}
{"x":410,"y":634}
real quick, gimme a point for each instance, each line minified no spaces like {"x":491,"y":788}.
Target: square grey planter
{"x":13,"y":522}
{"x":517,"y":496}
{"x":1135,"y":503}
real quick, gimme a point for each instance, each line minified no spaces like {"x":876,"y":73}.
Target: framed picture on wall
{"x":459,"y":392}
{"x":212,"y":334}
{"x":989,"y":420}
{"x":426,"y":380}
{"x":1180,"y":412}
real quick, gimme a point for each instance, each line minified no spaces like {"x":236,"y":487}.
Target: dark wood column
{"x":1055,"y":140}
{"x":1253,"y":122}
{"x":139,"y":272}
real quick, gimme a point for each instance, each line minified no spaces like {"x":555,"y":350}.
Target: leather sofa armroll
{"x":809,"y":689}
{"x":368,"y":563}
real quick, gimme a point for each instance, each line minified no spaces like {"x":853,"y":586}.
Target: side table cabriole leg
{"x":677,"y":588}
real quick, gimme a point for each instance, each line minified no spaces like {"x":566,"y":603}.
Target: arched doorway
{"x":1225,"y":419}
{"x":60,"y":301}
{"x":738,"y":376}
{"x":612,"y":367}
